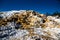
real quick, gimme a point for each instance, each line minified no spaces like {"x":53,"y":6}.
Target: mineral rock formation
{"x":28,"y":25}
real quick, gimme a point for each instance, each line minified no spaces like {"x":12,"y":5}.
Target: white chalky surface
{"x":22,"y":34}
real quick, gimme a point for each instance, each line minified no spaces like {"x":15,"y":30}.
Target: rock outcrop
{"x":28,"y":25}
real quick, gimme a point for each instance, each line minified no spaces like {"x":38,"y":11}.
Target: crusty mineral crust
{"x":39,"y":25}
{"x":27,"y":19}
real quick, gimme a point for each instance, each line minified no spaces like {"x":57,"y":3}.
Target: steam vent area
{"x":28,"y":25}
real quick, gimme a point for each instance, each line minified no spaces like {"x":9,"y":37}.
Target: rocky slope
{"x":28,"y":25}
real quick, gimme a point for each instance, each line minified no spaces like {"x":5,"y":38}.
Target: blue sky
{"x":41,"y":6}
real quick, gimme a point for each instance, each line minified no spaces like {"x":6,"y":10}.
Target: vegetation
{"x":56,"y":13}
{"x":53,"y":14}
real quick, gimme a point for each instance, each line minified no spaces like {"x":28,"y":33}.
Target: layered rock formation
{"x":28,"y":25}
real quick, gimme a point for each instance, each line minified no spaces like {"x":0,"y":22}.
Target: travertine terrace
{"x":28,"y":25}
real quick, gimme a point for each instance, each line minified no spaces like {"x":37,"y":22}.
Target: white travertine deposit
{"x":28,"y":25}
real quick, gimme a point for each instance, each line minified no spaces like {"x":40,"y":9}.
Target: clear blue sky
{"x":42,"y":6}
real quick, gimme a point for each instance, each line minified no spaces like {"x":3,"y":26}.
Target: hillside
{"x":28,"y":25}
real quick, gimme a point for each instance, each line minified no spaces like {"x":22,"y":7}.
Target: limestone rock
{"x":28,"y":25}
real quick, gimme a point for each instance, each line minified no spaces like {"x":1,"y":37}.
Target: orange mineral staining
{"x":40,"y":25}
